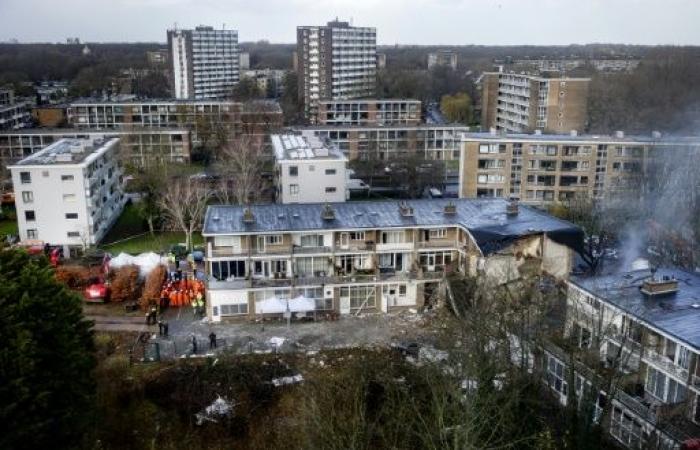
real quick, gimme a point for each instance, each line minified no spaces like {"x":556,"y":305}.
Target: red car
{"x":96,"y":291}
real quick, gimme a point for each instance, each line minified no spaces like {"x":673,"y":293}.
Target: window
{"x":330,"y":189}
{"x":32,"y":234}
{"x":312,"y":168}
{"x":392,"y":237}
{"x":311,"y":266}
{"x":676,"y":392}
{"x":45,"y":174}
{"x":27,"y":196}
{"x":357,"y":235}
{"x":67,"y":177}
{"x":73,"y":234}
{"x":273,"y":239}
{"x":293,"y":171}
{"x":360,"y":296}
{"x":68,"y":197}
{"x":556,"y":378}
{"x":440,"y":233}
{"x":312,"y":240}
{"x":293,"y":189}
{"x":226,"y":241}
{"x":656,"y":383}
{"x":25,"y":177}
{"x":330,"y":171}
{"x":625,"y":428}
{"x":71,"y":215}
{"x":224,"y":270}
{"x":232,"y":310}
{"x":29,"y":216}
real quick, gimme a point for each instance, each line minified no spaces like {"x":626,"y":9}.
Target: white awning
{"x":276,"y":305}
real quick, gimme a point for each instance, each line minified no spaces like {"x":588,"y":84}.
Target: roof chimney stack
{"x":656,"y":134}
{"x":405,"y":210}
{"x":573,"y":133}
{"x":513,"y":207}
{"x":248,"y":216}
{"x":327,"y":213}
{"x":619,"y":134}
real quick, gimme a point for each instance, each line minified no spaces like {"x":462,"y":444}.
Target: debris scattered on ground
{"x":283,"y":381}
{"x":219,"y":409}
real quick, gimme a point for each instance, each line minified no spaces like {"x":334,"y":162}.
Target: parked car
{"x":97,"y":291}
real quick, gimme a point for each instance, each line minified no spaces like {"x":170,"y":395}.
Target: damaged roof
{"x":676,"y":314}
{"x":486,"y":219}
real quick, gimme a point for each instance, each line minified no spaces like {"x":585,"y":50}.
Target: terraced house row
{"x":358,"y":257}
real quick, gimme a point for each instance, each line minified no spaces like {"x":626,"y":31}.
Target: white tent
{"x":274,"y":305}
{"x":145,"y":261}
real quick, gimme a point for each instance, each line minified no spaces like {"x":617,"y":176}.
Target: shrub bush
{"x":126,"y":285}
{"x":153,"y":286}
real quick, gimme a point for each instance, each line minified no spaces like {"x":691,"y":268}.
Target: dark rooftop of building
{"x":582,"y":138}
{"x":486,"y":219}
{"x":676,"y":314}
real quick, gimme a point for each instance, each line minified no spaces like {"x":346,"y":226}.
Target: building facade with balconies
{"x":540,"y":168}
{"x":335,"y":62}
{"x":641,"y":327}
{"x":204,"y":62}
{"x":70,"y":193}
{"x":369,"y":112}
{"x":369,"y":257}
{"x":521,"y":103}
{"x":13,"y":114}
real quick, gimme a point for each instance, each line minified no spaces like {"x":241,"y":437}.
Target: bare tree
{"x":241,"y":164}
{"x":184,"y":202}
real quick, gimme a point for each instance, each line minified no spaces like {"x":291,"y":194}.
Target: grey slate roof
{"x":486,"y":219}
{"x":673,"y":314}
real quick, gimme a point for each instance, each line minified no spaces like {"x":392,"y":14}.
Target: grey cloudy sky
{"x":495,"y":22}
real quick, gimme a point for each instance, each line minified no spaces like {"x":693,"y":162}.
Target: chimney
{"x":512,"y":208}
{"x":327,"y":213}
{"x":248,"y":216}
{"x":573,"y":133}
{"x":450,"y":209}
{"x":619,"y":134}
{"x":538,"y":132}
{"x":405,"y":210}
{"x":656,"y":134}
{"x":653,"y":287}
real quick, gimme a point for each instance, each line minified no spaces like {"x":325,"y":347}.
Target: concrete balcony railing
{"x":438,"y":243}
{"x":651,"y":356}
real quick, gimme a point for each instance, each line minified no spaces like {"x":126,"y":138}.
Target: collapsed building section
{"x":371,"y":257}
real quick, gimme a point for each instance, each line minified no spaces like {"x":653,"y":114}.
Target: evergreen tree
{"x":46,"y":357}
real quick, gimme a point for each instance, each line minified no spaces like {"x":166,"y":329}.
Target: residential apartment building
{"x":70,"y":193}
{"x":209,"y":120}
{"x":641,"y":326}
{"x":519,"y":103}
{"x":538,"y":168}
{"x":369,"y":257}
{"x":563,"y":65}
{"x":369,"y":112}
{"x":13,"y":114}
{"x":138,"y":146}
{"x":308,"y":170}
{"x":442,"y":58}
{"x":335,"y":62}
{"x":204,"y":62}
{"x":382,"y":143}
{"x":270,"y":81}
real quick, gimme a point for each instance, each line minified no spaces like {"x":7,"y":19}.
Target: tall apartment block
{"x":204,"y":62}
{"x":367,"y":257}
{"x":13,"y":114}
{"x":69,"y":193}
{"x":335,"y":62}
{"x":518,"y":103}
{"x":442,"y":58}
{"x":369,"y":112}
{"x":540,"y":168}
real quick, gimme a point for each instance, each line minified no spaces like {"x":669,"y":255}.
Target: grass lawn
{"x":130,"y":234}
{"x":161,"y":241}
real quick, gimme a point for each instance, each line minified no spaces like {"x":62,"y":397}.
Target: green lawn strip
{"x":159,"y":242}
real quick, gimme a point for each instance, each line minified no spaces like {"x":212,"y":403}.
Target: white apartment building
{"x":70,"y":193}
{"x":335,"y":62}
{"x":308,"y":170}
{"x":204,"y":62}
{"x":369,"y":257}
{"x":13,"y":114}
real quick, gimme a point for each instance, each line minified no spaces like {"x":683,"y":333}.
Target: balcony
{"x":310,"y":250}
{"x":651,"y":356}
{"x":438,"y":243}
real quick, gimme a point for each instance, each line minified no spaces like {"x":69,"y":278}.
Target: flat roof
{"x":420,"y":126}
{"x":677,"y":314}
{"x":584,"y":138}
{"x":93,"y":131}
{"x":304,"y":146}
{"x":485,"y":219}
{"x":373,"y":100}
{"x":68,"y":152}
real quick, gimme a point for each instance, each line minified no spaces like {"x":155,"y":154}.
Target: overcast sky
{"x":497,"y":22}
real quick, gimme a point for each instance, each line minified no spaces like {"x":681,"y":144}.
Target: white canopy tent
{"x":274,"y":305}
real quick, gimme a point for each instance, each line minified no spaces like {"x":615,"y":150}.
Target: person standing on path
{"x":194,"y":344}
{"x":212,"y":340}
